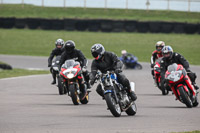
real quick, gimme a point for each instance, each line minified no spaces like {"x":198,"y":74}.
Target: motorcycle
{"x":177,"y":78}
{"x":55,"y":69}
{"x":131,"y":62}
{"x":157,"y":77}
{"x":73,"y":82}
{"x":115,"y":95}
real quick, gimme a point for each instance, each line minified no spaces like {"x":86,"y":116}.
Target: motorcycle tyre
{"x":85,"y":100}
{"x":60,"y":86}
{"x":132,"y":110}
{"x":185,"y":97}
{"x":138,"y":66}
{"x":74,"y":95}
{"x":112,"y":106}
{"x":196,"y":102}
{"x":164,"y":90}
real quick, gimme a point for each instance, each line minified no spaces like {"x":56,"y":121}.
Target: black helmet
{"x":69,"y":46}
{"x":167,"y":52}
{"x":59,"y":42}
{"x":97,"y":51}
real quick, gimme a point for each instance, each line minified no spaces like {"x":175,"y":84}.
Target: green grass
{"x":20,"y":72}
{"x":41,"y":42}
{"x":58,"y":12}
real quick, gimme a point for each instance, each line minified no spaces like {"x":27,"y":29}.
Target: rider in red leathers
{"x":156,"y":54}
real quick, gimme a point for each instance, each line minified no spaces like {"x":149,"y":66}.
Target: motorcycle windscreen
{"x":70,"y":64}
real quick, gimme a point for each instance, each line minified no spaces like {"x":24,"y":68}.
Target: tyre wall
{"x":103,"y":25}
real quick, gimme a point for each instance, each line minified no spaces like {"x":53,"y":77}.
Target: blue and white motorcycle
{"x":115,"y":95}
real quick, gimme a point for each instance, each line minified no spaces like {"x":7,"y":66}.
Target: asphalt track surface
{"x":30,"y":104}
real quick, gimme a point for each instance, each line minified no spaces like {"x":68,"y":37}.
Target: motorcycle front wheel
{"x":113,"y":106}
{"x":74,"y":94}
{"x":60,"y":85}
{"x":185,"y":97}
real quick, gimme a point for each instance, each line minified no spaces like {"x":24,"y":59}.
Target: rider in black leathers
{"x":72,"y":53}
{"x":108,"y":61}
{"x":55,"y":52}
{"x":171,"y":57}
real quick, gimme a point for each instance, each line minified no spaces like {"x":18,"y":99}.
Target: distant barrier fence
{"x":103,"y":25}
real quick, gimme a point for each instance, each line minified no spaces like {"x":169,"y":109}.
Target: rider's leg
{"x":126,"y":84}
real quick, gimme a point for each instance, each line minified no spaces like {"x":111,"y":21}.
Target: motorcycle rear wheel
{"x":85,"y":100}
{"x":196,"y":102}
{"x":112,"y":105}
{"x":74,"y":95}
{"x":185,"y":97}
{"x":132,"y":110}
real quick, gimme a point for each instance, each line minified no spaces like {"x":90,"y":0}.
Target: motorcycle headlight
{"x":55,"y":68}
{"x":69,"y":73}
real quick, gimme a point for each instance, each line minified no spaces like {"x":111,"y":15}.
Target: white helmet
{"x":59,"y":42}
{"x":160,"y":45}
{"x":167,"y":52}
{"x":124,"y":52}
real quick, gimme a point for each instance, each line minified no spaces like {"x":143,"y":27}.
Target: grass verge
{"x":41,"y":42}
{"x":30,"y":11}
{"x":20,"y":72}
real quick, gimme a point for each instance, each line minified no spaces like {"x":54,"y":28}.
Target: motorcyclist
{"x":55,"y":52}
{"x":156,"y":54}
{"x":71,"y":53}
{"x":170,"y":57}
{"x":127,"y":56}
{"x":107,"y":61}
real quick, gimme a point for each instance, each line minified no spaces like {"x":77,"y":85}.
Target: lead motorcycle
{"x":177,"y":78}
{"x":115,"y":95}
{"x":55,"y":69}
{"x":73,"y":82}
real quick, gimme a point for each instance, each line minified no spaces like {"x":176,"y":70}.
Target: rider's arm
{"x":93,"y":73}
{"x":183,"y":61}
{"x":62,"y":59}
{"x":162,"y":72}
{"x":153,"y":58}
{"x":51,"y":57}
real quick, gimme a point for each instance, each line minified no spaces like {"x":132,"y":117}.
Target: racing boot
{"x":88,"y":86}
{"x":53,"y":82}
{"x":195,"y":86}
{"x":54,"y":79}
{"x":132,"y":94}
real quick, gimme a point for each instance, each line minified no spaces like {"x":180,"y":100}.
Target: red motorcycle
{"x":177,"y":78}
{"x":73,"y":82}
{"x":157,"y":76}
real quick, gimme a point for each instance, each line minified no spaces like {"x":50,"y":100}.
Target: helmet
{"x":59,"y":42}
{"x":124,"y":52}
{"x":97,"y":51}
{"x":69,"y":46}
{"x":167,"y":52}
{"x":160,"y":45}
